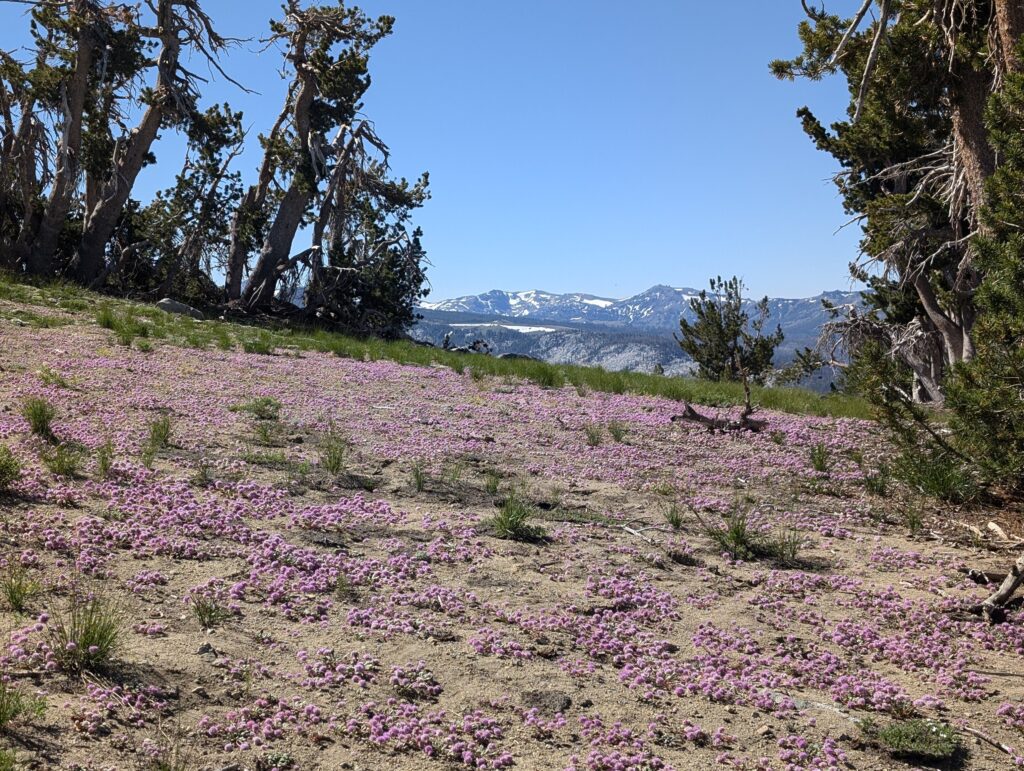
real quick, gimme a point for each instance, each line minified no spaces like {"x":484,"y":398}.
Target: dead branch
{"x":994,"y":608}
{"x":743,"y":423}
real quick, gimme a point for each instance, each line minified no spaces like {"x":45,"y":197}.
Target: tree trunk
{"x":101,"y":220}
{"x":1009,"y":19}
{"x":277,"y":246}
{"x":42,"y":244}
{"x":973,"y":153}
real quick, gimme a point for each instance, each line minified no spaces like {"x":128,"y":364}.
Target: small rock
{"x":296,"y":439}
{"x":200,"y":692}
{"x":547,"y":702}
{"x":173,"y":306}
{"x":206,"y":650}
{"x":765,"y":731}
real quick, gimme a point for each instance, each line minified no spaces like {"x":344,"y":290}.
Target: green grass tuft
{"x":512,"y":522}
{"x":40,"y":414}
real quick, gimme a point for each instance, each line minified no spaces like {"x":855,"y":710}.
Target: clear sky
{"x":583,"y":145}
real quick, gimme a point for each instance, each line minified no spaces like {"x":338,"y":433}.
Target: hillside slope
{"x":304,"y":558}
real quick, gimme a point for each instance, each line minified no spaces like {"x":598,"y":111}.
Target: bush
{"x":512,"y":522}
{"x":593,"y":433}
{"x":492,"y":481}
{"x":40,"y":414}
{"x":86,"y":635}
{"x":921,"y":740}
{"x":10,"y":468}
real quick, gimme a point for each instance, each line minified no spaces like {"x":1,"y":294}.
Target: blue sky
{"x":583,"y":145}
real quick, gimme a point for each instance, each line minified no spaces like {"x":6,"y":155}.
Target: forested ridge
{"x":83,"y":107}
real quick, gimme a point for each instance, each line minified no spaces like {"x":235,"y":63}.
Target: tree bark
{"x":42,"y":244}
{"x":971,"y":146}
{"x":101,"y":220}
{"x":1009,"y":19}
{"x":993,"y":606}
{"x":277,"y":245}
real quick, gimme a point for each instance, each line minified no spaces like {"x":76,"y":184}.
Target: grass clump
{"x":19,"y":588}
{"x":261,"y":408}
{"x":333,"y":451}
{"x":51,"y":377}
{"x":617,"y":430}
{"x":915,"y":739}
{"x":65,"y":460}
{"x":10,"y":468}
{"x":419,"y":476}
{"x":40,"y":414}
{"x":104,"y":459}
{"x":512,"y":522}
{"x":937,"y":476}
{"x":674,"y":516}
{"x":14,"y":705}
{"x":160,"y":432}
{"x":85,"y":637}
{"x":735,"y":537}
{"x":593,"y":433}
{"x":492,"y":481}
{"x":821,"y":458}
{"x":208,"y":612}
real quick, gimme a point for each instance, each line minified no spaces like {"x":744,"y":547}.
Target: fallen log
{"x":743,"y":423}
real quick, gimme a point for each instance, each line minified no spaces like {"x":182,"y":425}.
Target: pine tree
{"x":723,"y":339}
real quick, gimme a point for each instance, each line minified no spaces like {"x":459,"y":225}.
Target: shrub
{"x":821,"y":458}
{"x":617,"y":430}
{"x":261,"y":408}
{"x":85,"y":637}
{"x":593,"y":434}
{"x":512,"y":522}
{"x":40,"y":414}
{"x":10,"y":468}
{"x":19,"y":588}
{"x":65,"y":460}
{"x":937,"y":475}
{"x":915,"y":739}
{"x":265,"y":434}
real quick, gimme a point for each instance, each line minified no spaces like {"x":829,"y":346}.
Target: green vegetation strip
{"x":141,"y":323}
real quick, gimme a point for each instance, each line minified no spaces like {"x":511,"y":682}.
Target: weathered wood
{"x":743,"y":423}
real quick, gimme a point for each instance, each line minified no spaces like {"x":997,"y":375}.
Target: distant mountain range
{"x":634,"y":333}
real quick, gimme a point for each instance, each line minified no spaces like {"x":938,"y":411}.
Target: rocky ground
{"x":291,"y":561}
